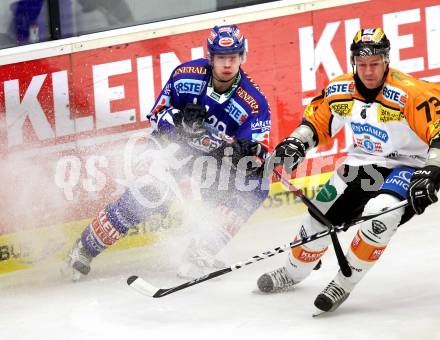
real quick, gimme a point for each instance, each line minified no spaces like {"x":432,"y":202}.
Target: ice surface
{"x":398,"y":299}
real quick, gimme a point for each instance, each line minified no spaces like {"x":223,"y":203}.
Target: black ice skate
{"x":275,"y":280}
{"x":78,"y":260}
{"x":331,"y":298}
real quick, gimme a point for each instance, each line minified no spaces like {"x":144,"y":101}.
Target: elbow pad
{"x":306,"y":135}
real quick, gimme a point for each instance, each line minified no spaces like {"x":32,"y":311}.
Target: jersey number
{"x":218,"y":124}
{"x":425,"y":105}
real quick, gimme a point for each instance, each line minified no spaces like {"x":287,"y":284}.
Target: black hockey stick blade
{"x":340,"y":256}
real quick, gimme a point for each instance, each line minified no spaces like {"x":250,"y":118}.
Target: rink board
{"x":67,"y":105}
{"x":23,"y":250}
{"x":82,"y":96}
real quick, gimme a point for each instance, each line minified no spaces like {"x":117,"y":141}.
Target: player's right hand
{"x":191,"y":120}
{"x":290,"y":153}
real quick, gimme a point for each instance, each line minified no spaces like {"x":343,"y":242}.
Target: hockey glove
{"x":290,"y":153}
{"x":190,"y":121}
{"x":242,"y":148}
{"x":423,"y":188}
{"x":164,"y":120}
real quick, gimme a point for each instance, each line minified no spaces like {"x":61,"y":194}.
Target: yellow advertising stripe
{"x":22,"y":250}
{"x":282,"y":204}
{"x":308,"y":182}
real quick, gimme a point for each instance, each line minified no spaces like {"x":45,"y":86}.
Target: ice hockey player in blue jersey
{"x":210,"y":108}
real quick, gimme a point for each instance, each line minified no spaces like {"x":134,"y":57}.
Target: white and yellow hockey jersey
{"x":394,"y":130}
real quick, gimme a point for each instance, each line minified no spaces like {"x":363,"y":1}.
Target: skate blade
{"x":318,"y":313}
{"x":69,"y":273}
{"x":75,"y":275}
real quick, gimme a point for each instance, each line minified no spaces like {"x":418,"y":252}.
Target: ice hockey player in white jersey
{"x":395,"y":121}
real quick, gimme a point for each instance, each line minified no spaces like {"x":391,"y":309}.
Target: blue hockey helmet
{"x":370,"y":41}
{"x":226,"y":40}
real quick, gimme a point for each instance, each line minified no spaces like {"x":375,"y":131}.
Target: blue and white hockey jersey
{"x":241,"y":112}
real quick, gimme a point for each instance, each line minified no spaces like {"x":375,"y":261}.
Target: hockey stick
{"x":147,"y":289}
{"x":342,"y":261}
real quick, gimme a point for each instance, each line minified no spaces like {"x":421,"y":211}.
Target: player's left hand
{"x":423,"y":188}
{"x":242,"y":148}
{"x":245,"y":148}
{"x":239,"y":149}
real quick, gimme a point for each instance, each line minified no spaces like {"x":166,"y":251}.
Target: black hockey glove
{"x":190,"y":121}
{"x":290,"y":153}
{"x":423,"y":188}
{"x":242,"y":148}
